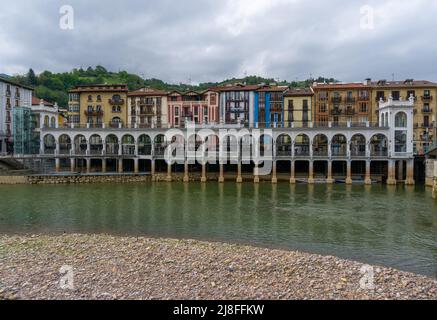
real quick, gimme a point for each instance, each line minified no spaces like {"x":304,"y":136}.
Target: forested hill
{"x":54,"y":86}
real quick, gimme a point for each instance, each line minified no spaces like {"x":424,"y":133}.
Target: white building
{"x":11,"y":95}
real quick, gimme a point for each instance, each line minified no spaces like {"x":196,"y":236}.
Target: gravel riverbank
{"x":107,"y":267}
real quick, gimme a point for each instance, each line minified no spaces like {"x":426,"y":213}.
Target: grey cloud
{"x":209,"y":40}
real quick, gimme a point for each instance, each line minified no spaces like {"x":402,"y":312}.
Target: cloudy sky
{"x":210,"y":40}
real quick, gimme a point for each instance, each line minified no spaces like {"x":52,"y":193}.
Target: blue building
{"x":269,"y":106}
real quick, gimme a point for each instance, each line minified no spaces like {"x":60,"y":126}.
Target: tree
{"x":31,"y":78}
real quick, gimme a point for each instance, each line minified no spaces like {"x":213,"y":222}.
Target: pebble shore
{"x":108,"y":267}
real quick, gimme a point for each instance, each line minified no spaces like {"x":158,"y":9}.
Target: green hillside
{"x":54,"y":86}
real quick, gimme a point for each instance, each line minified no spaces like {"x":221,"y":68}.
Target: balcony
{"x":350,"y":100}
{"x":336,"y":99}
{"x":146,"y":112}
{"x":363,"y":98}
{"x":116,"y":102}
{"x":336,"y":112}
{"x":8,"y":106}
{"x":93,"y":113}
{"x":350,"y":111}
{"x":426,"y":98}
{"x":8,"y":93}
{"x":426,"y":110}
{"x":427,"y":125}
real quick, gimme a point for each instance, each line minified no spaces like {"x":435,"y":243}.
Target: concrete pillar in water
{"x":120,"y":165}
{"x":239,"y":177}
{"x":256,"y":174}
{"x":292,"y":172}
{"x":186,"y":174}
{"x":136,"y":166}
{"x":152,"y":169}
{"x":311,"y":172}
{"x":274,"y":176}
{"x":410,"y":173}
{"x":88,"y":165}
{"x":368,"y":179}
{"x":168,"y":178}
{"x":72,"y":165}
{"x":221,"y":176}
{"x":203,"y":178}
{"x":103,"y":165}
{"x":400,"y":170}
{"x":391,"y":172}
{"x":57,"y":165}
{"x":329,"y":179}
{"x":349,"y":172}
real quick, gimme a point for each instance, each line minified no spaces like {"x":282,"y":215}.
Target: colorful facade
{"x":98,"y":105}
{"x":298,"y":107}
{"x":147,"y":108}
{"x":343,"y":102}
{"x":193,"y":107}
{"x":237,"y":104}
{"x":269,"y":106}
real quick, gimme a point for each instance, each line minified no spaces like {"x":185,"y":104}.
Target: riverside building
{"x":339,"y":152}
{"x":98,"y":105}
{"x":12,"y":95}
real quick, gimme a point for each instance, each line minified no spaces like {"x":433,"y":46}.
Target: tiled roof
{"x":5,"y":80}
{"x":272,"y":88}
{"x":238,"y":88}
{"x":297,"y":92}
{"x":36,"y":102}
{"x":100,"y":88}
{"x":147,"y":92}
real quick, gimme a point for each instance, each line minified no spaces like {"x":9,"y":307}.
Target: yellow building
{"x":298,"y":106}
{"x":425,"y":108}
{"x":98,"y":105}
{"x":148,"y":108}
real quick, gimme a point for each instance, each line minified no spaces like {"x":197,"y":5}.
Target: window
{"x":290,"y":105}
{"x":322,"y":108}
{"x":363,"y":107}
{"x":99,"y":98}
{"x":213,"y":99}
{"x":411,"y":93}
{"x":426,"y":121}
{"x":90,"y":98}
{"x":427,"y":93}
{"x":395,"y":95}
{"x":380,"y":95}
{"x":400,"y":141}
{"x":401,"y":120}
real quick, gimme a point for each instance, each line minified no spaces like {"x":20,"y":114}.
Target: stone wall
{"x":74,"y":179}
{"x":13,"y":180}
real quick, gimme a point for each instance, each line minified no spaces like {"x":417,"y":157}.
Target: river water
{"x":392,"y":226}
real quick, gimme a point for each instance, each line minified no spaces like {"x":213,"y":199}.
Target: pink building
{"x":195,"y":107}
